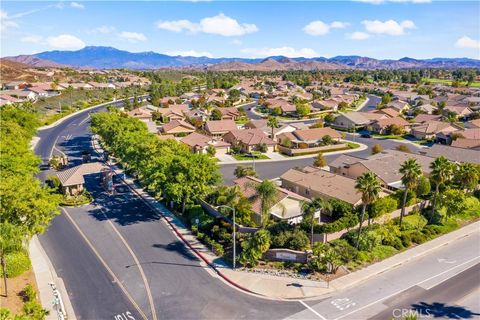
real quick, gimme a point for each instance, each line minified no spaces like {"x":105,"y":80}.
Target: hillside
{"x":36,"y":62}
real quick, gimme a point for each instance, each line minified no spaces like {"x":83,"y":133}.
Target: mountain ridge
{"x":100,"y":57}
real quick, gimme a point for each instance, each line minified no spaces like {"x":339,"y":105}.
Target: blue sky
{"x":373,"y":28}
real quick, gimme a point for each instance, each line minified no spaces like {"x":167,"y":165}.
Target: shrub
{"x":16,"y":263}
{"x":302,"y":145}
{"x":363,"y":256}
{"x":382,"y":252}
{"x":369,"y":240}
{"x":414,"y":222}
{"x":382,"y":206}
{"x":344,"y":222}
{"x":33,"y":310}
{"x":406,"y":240}
{"x":418,"y":237}
{"x":298,"y":240}
{"x":340,"y":208}
{"x":29,"y":293}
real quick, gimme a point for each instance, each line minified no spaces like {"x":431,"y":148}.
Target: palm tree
{"x":441,"y":173}
{"x":272,"y":123}
{"x":11,"y":240}
{"x":411,"y":172}
{"x":368,"y":185}
{"x":310,"y":207}
{"x":267,"y":192}
{"x":467,"y":176}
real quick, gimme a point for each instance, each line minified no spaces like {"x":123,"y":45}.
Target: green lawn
{"x":449,"y":82}
{"x":244,"y":157}
{"x":388,"y":136}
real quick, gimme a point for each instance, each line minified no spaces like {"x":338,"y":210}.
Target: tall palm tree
{"x":310,"y":207}
{"x":411,"y":172}
{"x":11,"y":240}
{"x":467,"y":176}
{"x":368,"y":185}
{"x":441,"y":173}
{"x":267,"y":192}
{"x":272,"y":123}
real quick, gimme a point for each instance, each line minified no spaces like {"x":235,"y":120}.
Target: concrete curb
{"x":44,"y":275}
{"x":403,"y":257}
{"x":308,"y":156}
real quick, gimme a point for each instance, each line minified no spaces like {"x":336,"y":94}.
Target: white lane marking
{"x":116,"y":280}
{"x":142,"y":274}
{"x":443,"y":260}
{"x":343,"y":303}
{"x":416,"y":284}
{"x":53,"y":147}
{"x":310,"y":308}
{"x":84,"y":120}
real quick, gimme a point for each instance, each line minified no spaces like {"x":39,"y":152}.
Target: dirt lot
{"x":14,"y":301}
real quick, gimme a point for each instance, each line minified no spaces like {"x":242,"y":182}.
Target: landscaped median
{"x":315,"y":150}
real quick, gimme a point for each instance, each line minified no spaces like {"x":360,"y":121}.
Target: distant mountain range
{"x":111,"y":58}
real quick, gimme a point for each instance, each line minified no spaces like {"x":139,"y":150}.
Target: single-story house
{"x":249,"y":139}
{"x":313,"y":183}
{"x":466,"y":143}
{"x":461,"y":111}
{"x":262,"y":124}
{"x":423,"y":118}
{"x":21,"y":94}
{"x":143,"y":114}
{"x":177,"y":127}
{"x":382,"y":126}
{"x":284,"y":105}
{"x":176,"y":112}
{"x":390,"y":112}
{"x":100,"y":85}
{"x":219,"y":127}
{"x":357,"y":120}
{"x":6,"y":99}
{"x":398,"y":105}
{"x":309,"y":137}
{"x":385,"y":165}
{"x":288,"y":205}
{"x":230,"y":113}
{"x":15,"y":85}
{"x":327,"y":104}
{"x":426,"y":108}
{"x":458,"y":155}
{"x":198,"y":143}
{"x":429,"y":130}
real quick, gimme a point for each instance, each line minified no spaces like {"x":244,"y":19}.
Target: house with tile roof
{"x":198,"y":143}
{"x":459,"y":155}
{"x":287,"y":205}
{"x":249,"y":140}
{"x":72,"y":181}
{"x":382,"y":126}
{"x":218,"y":128}
{"x":309,"y":137}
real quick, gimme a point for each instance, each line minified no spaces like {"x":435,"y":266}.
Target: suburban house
{"x":458,"y":155}
{"x":143,"y":114}
{"x":6,"y":99}
{"x":196,"y":114}
{"x":308,"y":137}
{"x":398,"y":105}
{"x":15,"y":85}
{"x":77,"y":85}
{"x":288,"y":205}
{"x":249,"y":140}
{"x":176,"y":112}
{"x":390,"y":112}
{"x":285,"y":106}
{"x":72,"y":181}
{"x":101,"y":85}
{"x":461,"y":111}
{"x":385,"y":165}
{"x":423,"y":118}
{"x":23,"y":95}
{"x":313,"y":183}
{"x":430,"y":129}
{"x":262,"y":124}
{"x":466,"y":143}
{"x":382,"y":126}
{"x":218,"y":128}
{"x":327,"y":104}
{"x":426,"y":108}
{"x":230,"y":113}
{"x":356,"y":120}
{"x":198,"y":143}
{"x":177,"y":127}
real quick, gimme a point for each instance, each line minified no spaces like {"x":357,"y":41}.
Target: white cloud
{"x":320,"y":28}
{"x":65,"y":41}
{"x":219,"y":24}
{"x":132,"y":36}
{"x":104,"y":29}
{"x":280,"y":51}
{"x":190,"y":53}
{"x":393,"y":1}
{"x":77,"y":5}
{"x":32,"y":39}
{"x":467,"y":42}
{"x":6,"y":21}
{"x":358,"y":35}
{"x":389,"y":27}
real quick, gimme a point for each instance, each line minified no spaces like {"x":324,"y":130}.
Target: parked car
{"x":366,"y":135}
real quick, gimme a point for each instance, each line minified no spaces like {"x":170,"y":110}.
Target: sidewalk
{"x":44,"y":275}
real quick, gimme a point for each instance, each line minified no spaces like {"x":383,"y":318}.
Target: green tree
{"x":329,"y":118}
{"x":211,"y":150}
{"x":367,"y":184}
{"x":216,"y":114}
{"x":467,"y":176}
{"x":253,"y":249}
{"x":12,"y":239}
{"x":243,"y":171}
{"x":303,"y":109}
{"x":423,"y":187}
{"x":411,"y":172}
{"x":454,"y":201}
{"x":273,"y":124}
{"x":267,"y":193}
{"x":320,"y":161}
{"x":440,"y":175}
{"x":309,"y":208}
{"x":376,"y":148}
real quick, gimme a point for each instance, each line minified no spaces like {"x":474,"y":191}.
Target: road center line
{"x":311,"y":309}
{"x":416,"y":284}
{"x":117,"y":281}
{"x":142,"y":274}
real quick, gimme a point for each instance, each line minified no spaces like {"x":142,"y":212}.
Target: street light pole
{"x":234,"y":235}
